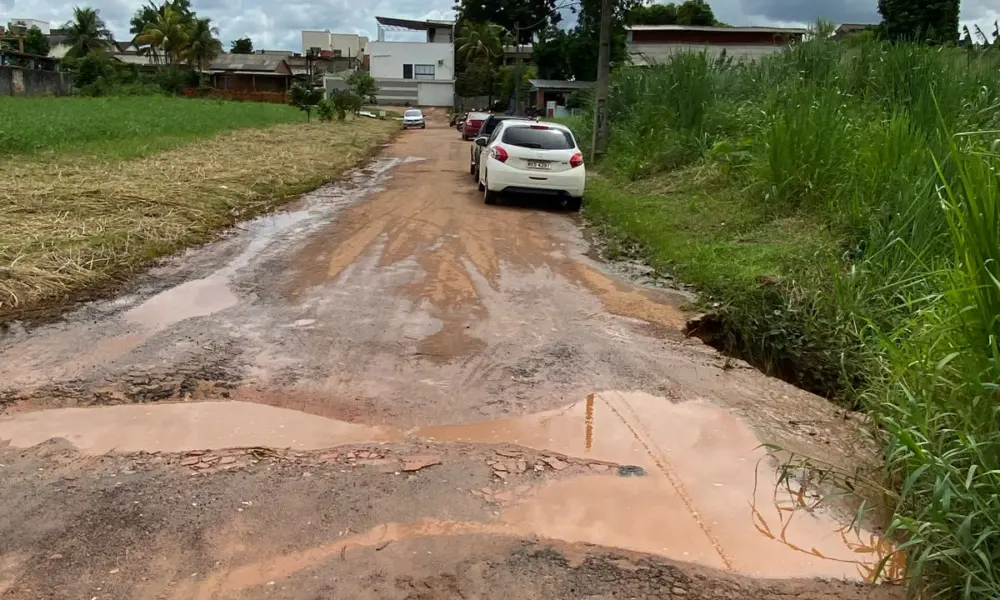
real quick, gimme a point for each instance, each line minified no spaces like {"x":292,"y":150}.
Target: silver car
{"x":413,"y":118}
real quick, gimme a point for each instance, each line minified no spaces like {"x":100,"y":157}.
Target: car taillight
{"x":539,"y":127}
{"x":576,"y":160}
{"x":500,"y":154}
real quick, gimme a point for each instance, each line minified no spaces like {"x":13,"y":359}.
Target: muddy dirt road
{"x":393,"y":390}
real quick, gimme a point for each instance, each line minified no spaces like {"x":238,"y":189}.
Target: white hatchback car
{"x":533,"y":158}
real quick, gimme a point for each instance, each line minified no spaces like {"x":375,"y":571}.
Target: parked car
{"x":413,"y":118}
{"x":472,"y":124}
{"x":475,"y":152}
{"x":536,"y":158}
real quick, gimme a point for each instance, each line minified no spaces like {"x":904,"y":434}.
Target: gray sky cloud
{"x":274,"y":25}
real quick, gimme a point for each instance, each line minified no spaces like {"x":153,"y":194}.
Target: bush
{"x":851,"y":246}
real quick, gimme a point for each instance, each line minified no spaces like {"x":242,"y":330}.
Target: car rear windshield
{"x":540,"y":138}
{"x":412,"y":113}
{"x":477,"y":116}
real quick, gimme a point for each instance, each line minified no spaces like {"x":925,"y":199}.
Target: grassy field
{"x":124,"y":126}
{"x":839,"y":207}
{"x":82,"y":218}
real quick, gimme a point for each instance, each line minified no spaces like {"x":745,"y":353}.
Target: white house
{"x":15,"y":24}
{"x":421,"y":73}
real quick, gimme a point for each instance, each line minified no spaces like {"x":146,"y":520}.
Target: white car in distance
{"x":413,"y":118}
{"x":532,"y":158}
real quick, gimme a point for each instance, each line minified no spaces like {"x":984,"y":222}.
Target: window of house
{"x":423,"y":71}
{"x":407,"y":71}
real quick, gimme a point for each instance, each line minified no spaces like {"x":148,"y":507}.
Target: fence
{"x":18,"y":81}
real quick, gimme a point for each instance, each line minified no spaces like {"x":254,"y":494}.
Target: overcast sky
{"x":276,"y":25}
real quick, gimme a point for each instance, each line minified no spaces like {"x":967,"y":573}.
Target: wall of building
{"x":315,"y":39}
{"x":719,"y":36}
{"x":397,"y":92}
{"x":349,"y":44}
{"x":647,"y":54}
{"x":388,"y":58}
{"x":43,"y":26}
{"x":15,"y":81}
{"x":435,"y":93}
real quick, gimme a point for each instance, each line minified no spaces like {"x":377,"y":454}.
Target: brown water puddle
{"x":186,"y":426}
{"x":710,"y":496}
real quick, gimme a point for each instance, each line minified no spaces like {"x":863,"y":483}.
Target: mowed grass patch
{"x":125,"y":127}
{"x":76,"y":225}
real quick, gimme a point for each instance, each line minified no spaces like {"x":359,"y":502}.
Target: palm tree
{"x":482,"y":41}
{"x":143,"y":18}
{"x":168,"y":33}
{"x":202,"y":46}
{"x":86,"y":32}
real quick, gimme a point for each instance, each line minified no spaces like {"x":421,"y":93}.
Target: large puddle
{"x":186,"y":426}
{"x":700,"y":488}
{"x":710,"y":495}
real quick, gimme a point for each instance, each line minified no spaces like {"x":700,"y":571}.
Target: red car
{"x":472,"y":124}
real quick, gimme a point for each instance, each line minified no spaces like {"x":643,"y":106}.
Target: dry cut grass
{"x":71,"y":226}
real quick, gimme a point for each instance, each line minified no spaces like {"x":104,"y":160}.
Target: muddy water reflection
{"x":712,"y":495}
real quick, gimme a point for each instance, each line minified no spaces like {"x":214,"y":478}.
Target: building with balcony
{"x":419,"y":72}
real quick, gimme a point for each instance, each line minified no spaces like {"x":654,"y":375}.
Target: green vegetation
{"x":924,"y":20}
{"x":244,"y":45}
{"x":839,"y":207}
{"x":123,"y":127}
{"x":175,"y":39}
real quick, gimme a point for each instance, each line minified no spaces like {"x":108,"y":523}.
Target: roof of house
{"x":256,"y":63}
{"x":411,"y":24}
{"x":555,"y":84}
{"x":846,"y":28}
{"x":789,"y":30}
{"x":133,"y":59}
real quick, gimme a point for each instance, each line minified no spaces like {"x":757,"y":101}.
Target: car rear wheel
{"x":488,"y":196}
{"x":574,"y":204}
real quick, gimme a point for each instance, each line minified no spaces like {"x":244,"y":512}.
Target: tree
{"x":482,"y":43}
{"x":531,"y":15}
{"x":168,"y":34}
{"x":305,"y":99}
{"x":201,"y":46}
{"x":653,"y":14}
{"x":933,"y":21}
{"x":574,"y":54}
{"x":695,"y":12}
{"x":690,"y":12}
{"x":35,"y":42}
{"x":86,"y":32}
{"x":244,"y":45}
{"x":363,"y":85}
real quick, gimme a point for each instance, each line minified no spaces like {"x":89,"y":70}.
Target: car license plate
{"x":538,"y":164}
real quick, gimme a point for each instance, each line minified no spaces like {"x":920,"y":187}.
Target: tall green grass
{"x":880,"y":163}
{"x":124,"y":126}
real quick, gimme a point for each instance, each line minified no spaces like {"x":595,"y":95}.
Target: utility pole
{"x":602,"y":90}
{"x":517,"y":70}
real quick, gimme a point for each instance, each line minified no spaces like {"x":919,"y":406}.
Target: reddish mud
{"x":469,"y":350}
